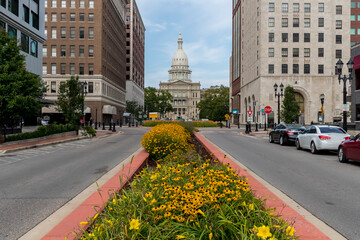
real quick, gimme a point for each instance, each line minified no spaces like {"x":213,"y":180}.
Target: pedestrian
{"x":312,"y":123}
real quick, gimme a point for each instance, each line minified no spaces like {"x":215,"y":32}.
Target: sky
{"x":205,"y":26}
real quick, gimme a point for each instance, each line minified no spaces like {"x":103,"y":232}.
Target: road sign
{"x":346,"y":107}
{"x":262,"y":110}
{"x":268,"y":109}
{"x":235,"y":111}
{"x":250,"y":112}
{"x":250,"y":118}
{"x":226,"y":116}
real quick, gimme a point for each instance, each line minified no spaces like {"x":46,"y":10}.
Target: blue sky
{"x":205,"y":26}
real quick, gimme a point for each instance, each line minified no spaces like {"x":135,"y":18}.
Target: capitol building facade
{"x":186,"y":94}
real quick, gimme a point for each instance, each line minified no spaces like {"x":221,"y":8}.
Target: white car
{"x":321,"y":137}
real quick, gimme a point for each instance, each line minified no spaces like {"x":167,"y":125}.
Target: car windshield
{"x":296,"y":127}
{"x":331,"y":130}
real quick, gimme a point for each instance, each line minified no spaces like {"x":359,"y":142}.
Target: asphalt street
{"x":35,"y":183}
{"x":328,"y":189}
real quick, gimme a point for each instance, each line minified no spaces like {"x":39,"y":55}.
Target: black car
{"x":285,"y":134}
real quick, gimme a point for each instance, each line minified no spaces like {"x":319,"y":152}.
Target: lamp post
{"x":83,"y":92}
{"x":278,"y":95}
{"x":322,"y":98}
{"x":339,"y":65}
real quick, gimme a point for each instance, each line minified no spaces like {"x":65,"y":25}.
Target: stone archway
{"x":299,"y":98}
{"x":303,"y":98}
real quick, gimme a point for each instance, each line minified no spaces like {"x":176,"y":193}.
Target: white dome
{"x":180,"y":58}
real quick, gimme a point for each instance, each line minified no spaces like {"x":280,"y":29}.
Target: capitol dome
{"x":180,"y":58}
{"x":180,"y":65}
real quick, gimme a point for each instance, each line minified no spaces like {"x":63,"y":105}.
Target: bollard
{"x":249,"y":127}
{"x":114,"y":130}
{"x":265,"y":127}
{"x":120,"y":124}
{"x":103,"y":126}
{"x":129,"y":124}
{"x":239,"y":125}
{"x":133,"y":124}
{"x":137,"y":124}
{"x":110,"y":126}
{"x":256,"y":127}
{"x":95,"y":125}
{"x":220,"y":124}
{"x":117,"y":122}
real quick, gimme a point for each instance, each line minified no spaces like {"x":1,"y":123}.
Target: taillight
{"x":321,"y":137}
{"x":347,"y":138}
{"x":289,"y":133}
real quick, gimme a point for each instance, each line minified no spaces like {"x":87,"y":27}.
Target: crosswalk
{"x":8,"y":158}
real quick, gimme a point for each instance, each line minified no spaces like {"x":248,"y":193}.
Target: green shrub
{"x":89,"y":131}
{"x":153,"y":123}
{"x":205,"y":124}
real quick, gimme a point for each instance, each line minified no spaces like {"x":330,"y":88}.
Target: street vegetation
{"x":290,"y":111}
{"x":183,"y":195}
{"x":196,"y":124}
{"x":214,"y":104}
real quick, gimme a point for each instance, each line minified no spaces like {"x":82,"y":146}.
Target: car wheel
{"x":271,"y":140}
{"x":313,"y":148}
{"x":281,"y":141}
{"x":297,"y":143}
{"x":341,"y":155}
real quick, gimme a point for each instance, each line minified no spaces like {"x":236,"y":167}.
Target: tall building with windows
{"x":295,"y":43}
{"x":87,"y":38}
{"x":135,"y":54}
{"x":186,"y":94}
{"x":24,"y":20}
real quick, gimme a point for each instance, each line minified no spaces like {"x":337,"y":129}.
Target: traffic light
{"x":322,"y":110}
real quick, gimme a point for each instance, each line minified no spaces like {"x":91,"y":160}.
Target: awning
{"x":50,"y":109}
{"x":108,"y":109}
{"x":126,"y":114}
{"x":87,"y":109}
{"x":356,"y":61}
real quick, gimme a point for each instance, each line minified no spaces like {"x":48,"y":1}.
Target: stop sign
{"x":268,"y":109}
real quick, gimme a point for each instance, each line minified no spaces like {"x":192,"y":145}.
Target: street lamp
{"x":278,"y":95}
{"x":339,"y":65}
{"x":83,"y":92}
{"x":322,"y":98}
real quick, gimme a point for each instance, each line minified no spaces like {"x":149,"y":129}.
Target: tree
{"x":70,"y":100}
{"x":134,"y":108}
{"x":290,"y":109}
{"x":20,"y":90}
{"x":150,"y":100}
{"x":215,"y":103}
{"x":158,"y":100}
{"x":164,"y":102}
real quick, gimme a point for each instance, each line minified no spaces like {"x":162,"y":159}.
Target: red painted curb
{"x":71,"y":224}
{"x":303,"y":227}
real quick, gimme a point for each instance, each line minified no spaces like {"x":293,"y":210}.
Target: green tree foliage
{"x":70,"y":100}
{"x":164,"y":101}
{"x":215,"y":103}
{"x":20,"y":90}
{"x":150,"y":100}
{"x":290,"y":111}
{"x":134,"y":108}
{"x":158,"y":101}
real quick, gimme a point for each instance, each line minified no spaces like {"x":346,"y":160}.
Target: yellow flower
{"x":210,"y":236}
{"x":180,"y":237}
{"x":84,"y":223}
{"x":290,"y":231}
{"x":201,"y":212}
{"x":264,"y":232}
{"x":251,"y":206}
{"x":273,"y":238}
{"x":152,"y":202}
{"x":134,"y":224}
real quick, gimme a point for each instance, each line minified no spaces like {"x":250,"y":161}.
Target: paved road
{"x":35,"y":183}
{"x":328,"y":189}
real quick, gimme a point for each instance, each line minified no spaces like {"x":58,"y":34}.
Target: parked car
{"x":321,"y":137}
{"x":350,"y":149}
{"x":285,"y":134}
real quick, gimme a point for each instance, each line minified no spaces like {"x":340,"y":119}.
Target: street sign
{"x":250,"y":112}
{"x":346,"y":107}
{"x":226,"y":116}
{"x":268,"y":109}
{"x":263,"y":113}
{"x":262,"y":110}
{"x":235,"y":111}
{"x":250,"y":118}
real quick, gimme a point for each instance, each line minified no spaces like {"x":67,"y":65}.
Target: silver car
{"x":321,"y":137}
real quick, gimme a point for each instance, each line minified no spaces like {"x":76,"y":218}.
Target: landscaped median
{"x":181,"y":195}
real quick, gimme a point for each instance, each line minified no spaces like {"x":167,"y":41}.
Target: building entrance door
{"x":301,"y":103}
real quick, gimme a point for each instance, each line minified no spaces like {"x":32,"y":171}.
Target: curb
{"x":304,"y":228}
{"x":70,"y":225}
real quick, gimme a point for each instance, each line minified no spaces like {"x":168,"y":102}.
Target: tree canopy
{"x":158,"y":100}
{"x":20,"y":90}
{"x":214,"y":104}
{"x":134,"y":108}
{"x":290,"y":111}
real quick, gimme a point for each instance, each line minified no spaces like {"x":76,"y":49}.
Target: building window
{"x":307,"y":22}
{"x":321,"y":7}
{"x":306,"y":68}
{"x":63,"y":32}
{"x":26,"y":14}
{"x":72,"y":68}
{"x":24,"y":43}
{"x":284,"y":52}
{"x":285,"y":7}
{"x":271,"y":7}
{"x":353,"y":18}
{"x":321,"y":22}
{"x":284,"y":37}
{"x":53,"y":85}
{"x":320,"y":69}
{"x":13,"y":6}
{"x":54,"y":3}
{"x":33,"y":48}
{"x":338,"y":10}
{"x":53,"y":32}
{"x":46,"y":3}
{"x":44,"y":51}
{"x":284,"y":68}
{"x":72,"y":17}
{"x":295,"y":68}
{"x":53,"y":50}
{"x":320,"y":37}
{"x":81,"y":32}
{"x":284,"y":22}
{"x":353,"y":4}
{"x":72,"y":32}
{"x":295,"y":52}
{"x":45,"y":17}
{"x":91,"y":51}
{"x":338,"y":53}
{"x":81,"y":17}
{"x":271,"y":68}
{"x":128,"y":18}
{"x":53,"y":68}
{"x":35,"y":20}
{"x":2,"y":25}
{"x":63,"y":68}
{"x":296,"y":37}
{"x":296,"y":7}
{"x":306,"y":37}
{"x":306,"y":52}
{"x":320,"y":52}
{"x":44,"y":69}
{"x":81,"y":69}
{"x":307,"y":7}
{"x":338,"y":39}
{"x":63,"y":50}
{"x":271,"y":22}
{"x":12,"y":32}
{"x":91,"y":3}
{"x":72,"y":51}
{"x":82,"y":4}
{"x":271,"y":52}
{"x":81,"y":51}
{"x":91,"y":84}
{"x":91,"y":17}
{"x":91,"y":69}
{"x":63,"y":17}
{"x":91,"y":33}
{"x":353,"y":31}
{"x":338,"y":24}
{"x":63,"y":3}
{"x":271,"y":37}
{"x":296,"y":22}
{"x":72,"y":4}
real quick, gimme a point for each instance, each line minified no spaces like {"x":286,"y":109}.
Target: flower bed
{"x":187,"y":197}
